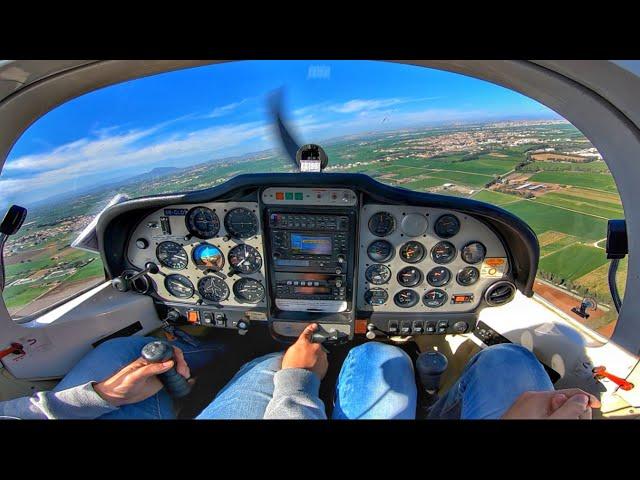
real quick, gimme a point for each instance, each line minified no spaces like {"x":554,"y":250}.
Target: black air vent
{"x":500,"y":293}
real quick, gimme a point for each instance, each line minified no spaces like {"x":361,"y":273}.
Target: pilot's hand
{"x":137,"y":381}
{"x":568,"y":404}
{"x":307,"y":355}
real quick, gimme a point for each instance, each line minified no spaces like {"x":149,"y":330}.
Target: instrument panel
{"x":209,"y":254}
{"x":334,"y":255}
{"x":427,"y":260}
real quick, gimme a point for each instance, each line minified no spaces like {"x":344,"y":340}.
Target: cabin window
{"x":408,"y":126}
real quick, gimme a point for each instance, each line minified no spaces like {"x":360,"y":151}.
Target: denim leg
{"x":110,"y":356}
{"x":376,"y":382}
{"x":492,"y":380}
{"x":248,"y":393}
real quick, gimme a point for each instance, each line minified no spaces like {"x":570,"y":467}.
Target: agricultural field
{"x":596,"y":181}
{"x":573,"y":262}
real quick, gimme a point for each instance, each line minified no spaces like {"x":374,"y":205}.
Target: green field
{"x":495,"y":198}
{"x":573,"y":262}
{"x":597,"y":181}
{"x":557,"y":245}
{"x":542,"y":217}
{"x":584,"y":205}
{"x":94,"y":269}
{"x":22,"y":294}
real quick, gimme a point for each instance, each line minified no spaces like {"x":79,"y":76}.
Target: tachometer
{"x":248,"y":290}
{"x":412,"y":252}
{"x":447,"y":226}
{"x":208,"y":256}
{"x":377,"y":274}
{"x":245,"y":259}
{"x":380,"y":251}
{"x":406,"y":298}
{"x":213,"y":289}
{"x":179,"y":286}
{"x":435,"y":298}
{"x":473,"y":252}
{"x":438,"y":276}
{"x":382,"y":224}
{"x":376,"y":296}
{"x":172,"y":255}
{"x":241,"y":223}
{"x":202,"y":222}
{"x":468,"y":276}
{"x":443,"y":252}
{"x":409,"y":277}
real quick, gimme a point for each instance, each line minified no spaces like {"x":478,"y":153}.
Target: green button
{"x":298,"y":195}
{"x":288,"y":196}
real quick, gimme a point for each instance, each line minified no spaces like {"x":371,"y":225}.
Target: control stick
{"x":431,"y":365}
{"x":158,"y":352}
{"x":123,"y":282}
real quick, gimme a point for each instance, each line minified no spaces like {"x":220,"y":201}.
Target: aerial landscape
{"x":544,"y":171}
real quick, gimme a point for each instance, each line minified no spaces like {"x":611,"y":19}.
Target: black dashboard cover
{"x":117,"y":222}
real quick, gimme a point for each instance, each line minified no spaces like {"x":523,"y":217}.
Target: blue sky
{"x":190,"y":116}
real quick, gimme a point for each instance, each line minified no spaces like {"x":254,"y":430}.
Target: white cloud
{"x":227,"y":109}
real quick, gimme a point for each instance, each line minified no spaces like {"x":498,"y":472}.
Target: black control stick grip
{"x":158,"y":352}
{"x":431,"y":365}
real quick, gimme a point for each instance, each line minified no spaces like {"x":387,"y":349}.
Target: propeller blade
{"x":287,"y":140}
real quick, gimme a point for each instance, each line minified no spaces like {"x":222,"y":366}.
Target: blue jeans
{"x":377,"y":382}
{"x":112,"y":355}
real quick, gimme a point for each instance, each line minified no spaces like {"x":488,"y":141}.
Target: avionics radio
{"x":310,"y":253}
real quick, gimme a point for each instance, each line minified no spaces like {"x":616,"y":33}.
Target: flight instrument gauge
{"x":443,"y":252}
{"x":377,"y":274}
{"x":208,"y":256}
{"x":179,"y":286}
{"x":473,"y":252}
{"x":468,"y":276}
{"x":409,"y":277}
{"x":213,"y":289}
{"x":241,"y":223}
{"x":172,"y":255}
{"x":382,"y":224}
{"x":412,"y":252}
{"x":380,"y":251}
{"x":447,"y":226}
{"x":376,"y":296}
{"x":248,"y":290}
{"x":406,"y":298}
{"x":202,"y":222}
{"x":438,"y":276}
{"x":245,"y":259}
{"x":435,"y":298}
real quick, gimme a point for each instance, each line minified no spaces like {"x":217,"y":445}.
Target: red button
{"x":279,"y":195}
{"x":192,"y":316}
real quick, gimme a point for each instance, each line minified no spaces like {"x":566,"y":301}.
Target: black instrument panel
{"x":242,"y":249}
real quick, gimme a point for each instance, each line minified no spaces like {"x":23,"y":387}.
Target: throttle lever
{"x":123,"y":282}
{"x":333,"y":336}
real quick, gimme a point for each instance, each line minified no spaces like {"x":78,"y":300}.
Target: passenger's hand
{"x":307,"y":355}
{"x":568,"y":404}
{"x":137,"y":381}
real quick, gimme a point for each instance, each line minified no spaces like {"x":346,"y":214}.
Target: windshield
{"x":413,"y":127}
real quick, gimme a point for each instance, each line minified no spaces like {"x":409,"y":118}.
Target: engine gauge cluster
{"x":427,"y":260}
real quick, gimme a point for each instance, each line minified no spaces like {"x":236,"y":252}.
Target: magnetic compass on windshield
{"x":245,"y":259}
{"x":202,"y":222}
{"x":208,"y":256}
{"x":412,"y":252}
{"x":443,"y":252}
{"x":213,"y":289}
{"x":382,"y":224}
{"x":248,"y":290}
{"x":380,"y":251}
{"x":172,"y":255}
{"x":241,"y":223}
{"x":179,"y":286}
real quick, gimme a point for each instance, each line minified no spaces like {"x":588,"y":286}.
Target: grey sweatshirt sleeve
{"x":295,"y":396}
{"x":81,"y":402}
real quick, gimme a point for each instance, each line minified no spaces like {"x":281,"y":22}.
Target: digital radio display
{"x":312,"y":290}
{"x":310,"y":244}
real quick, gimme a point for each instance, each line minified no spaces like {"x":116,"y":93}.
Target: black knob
{"x":431,"y":365}
{"x":151,"y":268}
{"x":158,"y":352}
